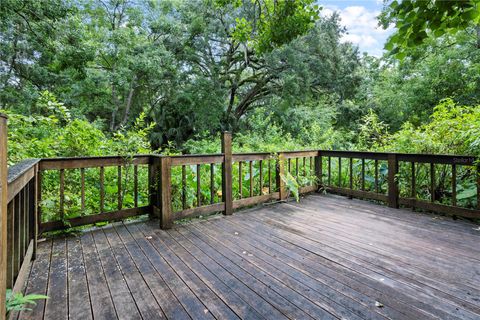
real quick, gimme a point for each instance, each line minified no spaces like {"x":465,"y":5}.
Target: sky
{"x":359,"y":17}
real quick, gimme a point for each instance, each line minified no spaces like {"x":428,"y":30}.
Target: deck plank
{"x":79,"y":305}
{"x":326,"y":257}
{"x":57,"y":304}
{"x":38,"y":281}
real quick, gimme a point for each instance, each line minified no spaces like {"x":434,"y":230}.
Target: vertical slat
{"x":227,"y":196}
{"x":311,"y":171}
{"x":351,"y":174}
{"x":289,"y":165}
{"x":135,"y":186}
{"x":102,"y":189}
{"x":240,"y":180}
{"x":279,"y":172}
{"x":454,"y":185}
{"x":10,"y":243}
{"x":376,"y":176}
{"x":212,"y":183}
{"x":319,"y":169}
{"x":304,"y":166}
{"x":478,"y":186}
{"x":261,"y":176}
{"x":33,"y":213}
{"x":432,"y":182}
{"x":38,"y":200}
{"x":62,"y":194}
{"x":392,"y":181}
{"x":363,"y":174}
{"x":250,"y":169}
{"x":23,"y":222}
{"x":269,"y":177}
{"x":296,"y":168}
{"x":153,"y":185}
{"x":16,"y":236}
{"x":339,"y":172}
{"x":413,"y":192}
{"x":184,"y":187}
{"x":119,"y":187}
{"x":166,"y":218}
{"x":82,"y":186}
{"x":329,"y":171}
{"x":3,"y":213}
{"x":199,"y":191}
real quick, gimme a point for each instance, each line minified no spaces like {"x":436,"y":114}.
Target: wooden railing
{"x":44,"y":195}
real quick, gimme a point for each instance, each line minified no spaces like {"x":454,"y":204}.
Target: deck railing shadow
{"x":185,"y":186}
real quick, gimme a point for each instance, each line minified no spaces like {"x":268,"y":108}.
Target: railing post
{"x":166,"y":217}
{"x":392,"y":181}
{"x":3,"y":214}
{"x":280,"y":168}
{"x":318,"y":169}
{"x":227,"y":196}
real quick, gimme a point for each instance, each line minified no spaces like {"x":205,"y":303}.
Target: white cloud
{"x":362,"y":27}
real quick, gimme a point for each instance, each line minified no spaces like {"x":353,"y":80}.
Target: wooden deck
{"x":326,"y":257}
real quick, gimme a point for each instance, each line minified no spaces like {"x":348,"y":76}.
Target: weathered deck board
{"x":326,"y":257}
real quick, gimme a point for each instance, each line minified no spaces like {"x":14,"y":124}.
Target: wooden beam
{"x":166,"y":218}
{"x":227,"y":196}
{"x":3,"y":213}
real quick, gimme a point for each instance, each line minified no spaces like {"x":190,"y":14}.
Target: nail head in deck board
{"x":227,"y":195}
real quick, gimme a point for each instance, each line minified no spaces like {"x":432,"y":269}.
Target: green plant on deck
{"x":291,"y":184}
{"x":19,"y":302}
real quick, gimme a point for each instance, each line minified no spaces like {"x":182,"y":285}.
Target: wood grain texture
{"x":326,"y":257}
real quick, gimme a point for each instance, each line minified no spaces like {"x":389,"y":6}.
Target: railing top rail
{"x":3,"y":115}
{"x":19,"y":169}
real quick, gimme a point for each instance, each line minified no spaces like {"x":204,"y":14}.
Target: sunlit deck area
{"x":327,"y":257}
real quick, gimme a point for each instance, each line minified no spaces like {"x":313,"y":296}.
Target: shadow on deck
{"x":326,"y":257}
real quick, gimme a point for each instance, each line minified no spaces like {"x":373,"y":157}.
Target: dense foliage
{"x":94,"y":77}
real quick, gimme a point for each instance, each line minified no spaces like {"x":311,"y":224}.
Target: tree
{"x":415,"y":21}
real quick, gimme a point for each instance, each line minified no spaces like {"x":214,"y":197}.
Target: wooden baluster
{"x":240,"y":180}
{"x":413,"y":192}
{"x":102,"y":190}
{"x":478,"y":186}
{"x":16,"y":236}
{"x":351,"y":175}
{"x":119,"y":188}
{"x":363,"y":174}
{"x":184,"y":187}
{"x":432,"y":182}
{"x":166,"y":217}
{"x":304,"y":167}
{"x":21,"y":230}
{"x":10,"y":243}
{"x":392,"y":181}
{"x":454,"y":185}
{"x":339,"y":172}
{"x":280,"y":167}
{"x":376,"y":176}
{"x":269,"y":176}
{"x":296,"y":168}
{"x":199,"y":194}
{"x":329,"y":171}
{"x":289,"y":165}
{"x":319,"y":169}
{"x":25,"y":220}
{"x":62,"y":194}
{"x":135,"y":186}
{"x":251,"y":178}
{"x":82,"y":187}
{"x":3,"y":214}
{"x":261,"y":177}
{"x":212,"y":183}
